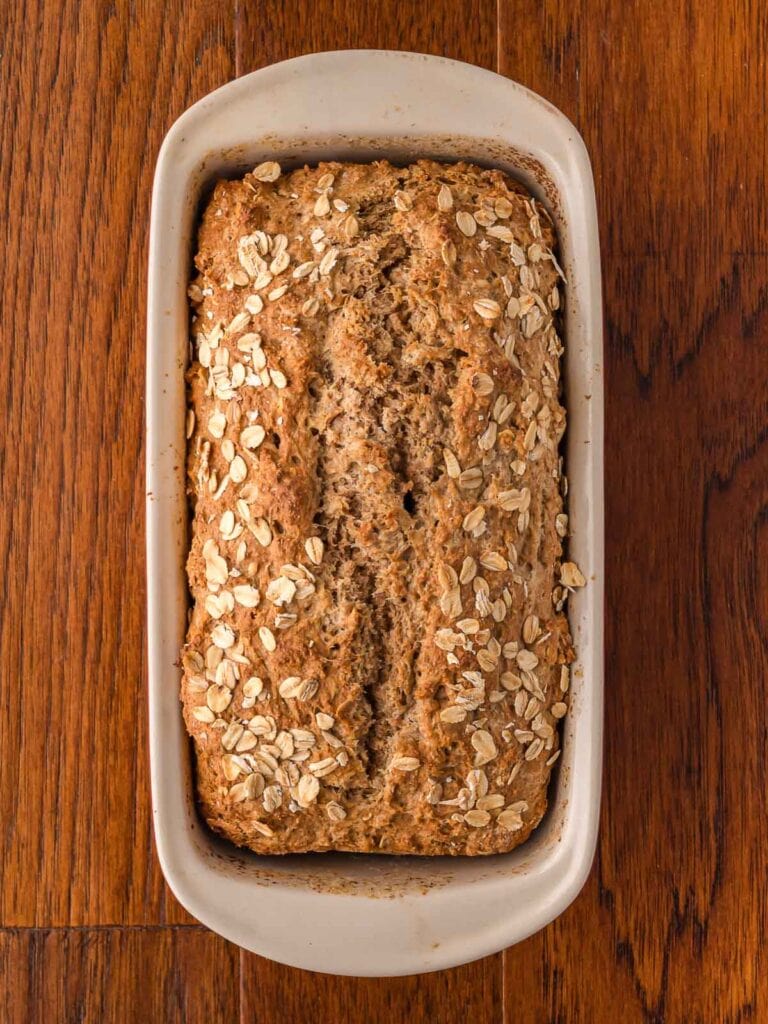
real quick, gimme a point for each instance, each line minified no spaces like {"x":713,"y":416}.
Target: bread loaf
{"x":377,"y":653}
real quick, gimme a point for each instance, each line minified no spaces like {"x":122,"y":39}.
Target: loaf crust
{"x":377,"y":652}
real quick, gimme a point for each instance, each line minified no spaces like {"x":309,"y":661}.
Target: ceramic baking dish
{"x":364,"y":914}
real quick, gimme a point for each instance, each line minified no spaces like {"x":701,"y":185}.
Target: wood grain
{"x":273,"y":994}
{"x":460,"y":29}
{"x":118,"y":976}
{"x":670,"y":98}
{"x":89,"y":90}
{"x":672,"y":925}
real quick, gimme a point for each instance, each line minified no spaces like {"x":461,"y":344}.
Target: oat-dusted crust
{"x":377,"y":653}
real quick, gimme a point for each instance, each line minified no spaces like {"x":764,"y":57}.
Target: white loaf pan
{"x":370,"y":914}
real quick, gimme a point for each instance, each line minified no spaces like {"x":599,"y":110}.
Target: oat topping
{"x":466,"y":223}
{"x":488,"y":309}
{"x":377,"y":565}
{"x":268,"y":171}
{"x":571,"y":575}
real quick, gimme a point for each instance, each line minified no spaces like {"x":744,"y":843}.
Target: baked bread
{"x":377,"y":654}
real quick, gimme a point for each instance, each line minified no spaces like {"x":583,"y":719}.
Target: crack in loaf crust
{"x":377,"y":653}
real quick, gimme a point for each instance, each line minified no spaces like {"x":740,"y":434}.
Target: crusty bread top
{"x":377,"y":654}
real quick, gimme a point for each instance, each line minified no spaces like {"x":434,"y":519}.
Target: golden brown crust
{"x":377,"y":654}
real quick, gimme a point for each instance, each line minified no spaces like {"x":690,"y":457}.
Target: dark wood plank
{"x":100,"y":976}
{"x":672,"y":926}
{"x":671,"y":96}
{"x":461,"y":29}
{"x":466,"y":30}
{"x":557,"y":978}
{"x":88,"y":91}
{"x":272,"y":994}
{"x":540,"y":45}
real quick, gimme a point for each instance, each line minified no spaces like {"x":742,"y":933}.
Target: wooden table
{"x":671,"y":99}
